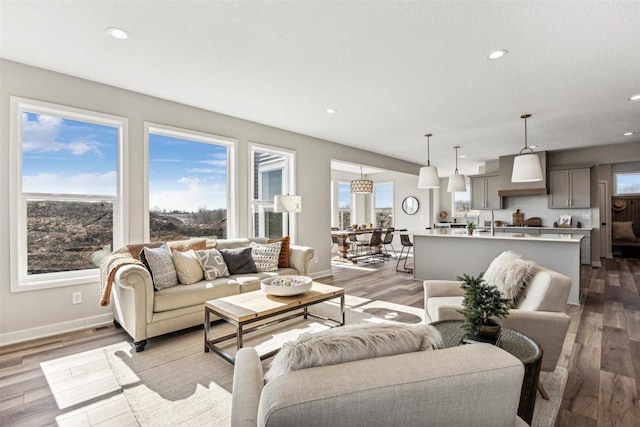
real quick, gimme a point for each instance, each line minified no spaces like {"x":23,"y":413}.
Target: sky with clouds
{"x":65,"y":156}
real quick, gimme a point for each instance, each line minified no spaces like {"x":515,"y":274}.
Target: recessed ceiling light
{"x":629,"y":133}
{"x":462,"y":156}
{"x":634,"y":98}
{"x":331,"y":110}
{"x":534,"y":146}
{"x":118,"y":33}
{"x":497,"y":54}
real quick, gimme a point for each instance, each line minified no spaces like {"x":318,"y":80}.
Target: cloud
{"x":207,"y":170}
{"x":82,"y":183}
{"x":191,"y":195}
{"x":42,"y":135}
{"x":221,"y":162}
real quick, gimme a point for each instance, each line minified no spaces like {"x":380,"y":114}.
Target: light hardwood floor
{"x":602,"y":348}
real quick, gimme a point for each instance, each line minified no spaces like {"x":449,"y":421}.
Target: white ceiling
{"x":394,"y":70}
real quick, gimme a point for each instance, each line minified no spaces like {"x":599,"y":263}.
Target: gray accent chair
{"x":539,"y":312}
{"x":473,"y":385}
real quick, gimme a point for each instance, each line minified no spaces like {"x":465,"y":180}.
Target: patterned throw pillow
{"x":266,"y":256}
{"x":187,"y":266}
{"x":161,"y":266}
{"x":239,"y":261}
{"x":284,"y":251}
{"x":212,"y":264}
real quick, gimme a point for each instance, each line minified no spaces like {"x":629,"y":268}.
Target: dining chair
{"x":372,"y":245}
{"x":388,"y":240}
{"x":334,"y":239}
{"x":406,"y":243}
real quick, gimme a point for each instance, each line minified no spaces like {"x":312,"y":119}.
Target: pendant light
{"x":361,"y":186}
{"x":428,"y":177}
{"x":456,"y":181}
{"x":526,"y":167}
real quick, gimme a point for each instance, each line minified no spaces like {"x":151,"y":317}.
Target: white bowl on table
{"x":300,"y":284}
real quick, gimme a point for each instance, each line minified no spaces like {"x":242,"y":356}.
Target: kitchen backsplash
{"x":535,"y":206}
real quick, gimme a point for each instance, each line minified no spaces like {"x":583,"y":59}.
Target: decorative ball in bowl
{"x":286,"y":285}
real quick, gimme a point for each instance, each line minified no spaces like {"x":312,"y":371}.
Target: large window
{"x":344,"y":205}
{"x":383,"y":204}
{"x":67,"y":211}
{"x":272,"y":172}
{"x":462,"y":204}
{"x":627,"y":183}
{"x":188,"y":184}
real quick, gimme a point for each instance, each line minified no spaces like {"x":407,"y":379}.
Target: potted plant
{"x":482,"y":303}
{"x":470,"y":227}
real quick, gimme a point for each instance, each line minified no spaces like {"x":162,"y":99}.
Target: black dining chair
{"x":372,"y":246}
{"x":406,"y":243}
{"x":388,"y":240}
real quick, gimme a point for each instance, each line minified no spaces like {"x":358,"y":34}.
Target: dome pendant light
{"x":428,"y":177}
{"x":361,"y":186}
{"x":456,"y":181}
{"x":526,"y":167}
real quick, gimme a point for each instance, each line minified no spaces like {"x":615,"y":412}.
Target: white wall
{"x":405,"y":185}
{"x":29,"y":314}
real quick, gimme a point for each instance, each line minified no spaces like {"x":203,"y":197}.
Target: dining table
{"x":342,"y":237}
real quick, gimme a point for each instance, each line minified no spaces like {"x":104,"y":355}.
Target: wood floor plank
{"x":614,"y":315}
{"x":618,"y":401}
{"x":616,"y":356}
{"x":581,"y":392}
{"x":567,"y":418}
{"x":632,"y":318}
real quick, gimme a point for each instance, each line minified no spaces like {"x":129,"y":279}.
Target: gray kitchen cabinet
{"x":585,"y":243}
{"x":484,"y":192}
{"x":570,"y":188}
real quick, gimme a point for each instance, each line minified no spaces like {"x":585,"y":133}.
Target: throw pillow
{"x":622,"y":230}
{"x":187,"y":266}
{"x":509,"y":273}
{"x":350,"y":343}
{"x":266,"y":256}
{"x":212,"y":263}
{"x":283,"y":261}
{"x":161,"y":266}
{"x":239,"y":261}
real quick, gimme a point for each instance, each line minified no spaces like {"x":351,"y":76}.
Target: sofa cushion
{"x":187,"y":266}
{"x":212,"y":264}
{"x":176,"y":245}
{"x":622,"y":230}
{"x":266,"y":256}
{"x":160,"y":264}
{"x":239,"y":261}
{"x":232,"y":243}
{"x":283,"y":260}
{"x":352,"y":342}
{"x":194,"y":294}
{"x":509,"y":273}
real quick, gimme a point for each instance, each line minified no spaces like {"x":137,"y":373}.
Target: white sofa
{"x":474,"y":385}
{"x":145,"y":313}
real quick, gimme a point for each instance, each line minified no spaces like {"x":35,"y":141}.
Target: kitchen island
{"x":448,"y":253}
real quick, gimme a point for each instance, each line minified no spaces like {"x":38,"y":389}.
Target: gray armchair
{"x":539,"y":312}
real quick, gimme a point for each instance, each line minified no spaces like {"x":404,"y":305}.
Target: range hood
{"x":508,"y":188}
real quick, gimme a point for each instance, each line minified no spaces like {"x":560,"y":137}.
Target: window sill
{"x":56,"y":280}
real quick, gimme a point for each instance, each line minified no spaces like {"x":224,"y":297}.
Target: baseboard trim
{"x":55,"y":329}
{"x":319,"y":274}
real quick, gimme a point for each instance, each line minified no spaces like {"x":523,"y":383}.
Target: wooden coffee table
{"x":244,"y":309}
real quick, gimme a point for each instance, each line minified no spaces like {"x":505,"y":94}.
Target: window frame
{"x":288,"y":186}
{"x":205,"y":138}
{"x":18,"y":257}
{"x":615,"y":183}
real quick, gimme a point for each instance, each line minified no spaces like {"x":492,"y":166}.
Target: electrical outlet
{"x":76,"y":298}
{"x":315,"y":260}
{"x":586,"y":216}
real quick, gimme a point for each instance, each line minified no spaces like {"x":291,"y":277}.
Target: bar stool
{"x":388,"y":240}
{"x":406,"y":243}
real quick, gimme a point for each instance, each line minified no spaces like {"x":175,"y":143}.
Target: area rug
{"x":175,"y":383}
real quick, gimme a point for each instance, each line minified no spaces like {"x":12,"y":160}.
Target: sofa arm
{"x":442,"y":288}
{"x":133,"y":299}
{"x":547,"y":328}
{"x":299,"y":258}
{"x":247,"y":388}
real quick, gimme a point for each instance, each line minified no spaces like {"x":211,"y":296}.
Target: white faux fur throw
{"x":509,"y":273}
{"x":352,"y":342}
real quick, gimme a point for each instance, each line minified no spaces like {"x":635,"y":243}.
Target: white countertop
{"x":547,"y":228}
{"x":462,"y":234}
